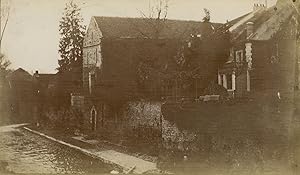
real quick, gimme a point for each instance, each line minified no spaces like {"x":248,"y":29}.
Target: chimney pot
{"x":36,"y":74}
{"x":259,"y":5}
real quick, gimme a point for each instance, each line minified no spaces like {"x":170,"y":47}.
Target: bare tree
{"x":159,"y":10}
{"x":4,"y":62}
{"x":156,"y":17}
{"x":4,"y":16}
{"x":206,"y":18}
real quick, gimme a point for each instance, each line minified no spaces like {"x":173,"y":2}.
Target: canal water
{"x":24,"y":152}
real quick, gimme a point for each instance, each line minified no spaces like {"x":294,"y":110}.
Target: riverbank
{"x":127,"y":163}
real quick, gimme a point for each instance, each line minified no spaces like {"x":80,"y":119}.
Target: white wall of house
{"x":92,"y":54}
{"x":233,"y":80}
{"x":223,"y":80}
{"x":219,"y":79}
{"x":248,"y":81}
{"x":248,"y":49}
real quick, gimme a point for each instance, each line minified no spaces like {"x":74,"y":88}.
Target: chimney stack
{"x":36,"y":74}
{"x":250,"y":28}
{"x":259,"y":5}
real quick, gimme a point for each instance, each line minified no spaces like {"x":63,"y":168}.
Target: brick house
{"x":56,"y":96}
{"x":4,"y":102}
{"x":43,"y":86}
{"x":114,"y":50}
{"x":21,"y":93}
{"x":263,"y":67}
{"x":263,"y":54}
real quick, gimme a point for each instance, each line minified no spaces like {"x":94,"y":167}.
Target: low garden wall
{"x":248,"y":134}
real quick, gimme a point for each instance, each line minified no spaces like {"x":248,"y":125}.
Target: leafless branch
{"x":157,"y":16}
{"x":142,"y":13}
{"x":159,"y":9}
{"x":4,"y":28}
{"x":5,"y":12}
{"x":4,"y":63}
{"x":147,"y":18}
{"x":166,"y":11}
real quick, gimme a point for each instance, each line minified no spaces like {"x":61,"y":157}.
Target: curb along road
{"x":84,"y":151}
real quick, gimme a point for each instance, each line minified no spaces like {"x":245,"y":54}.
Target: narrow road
{"x":24,"y":152}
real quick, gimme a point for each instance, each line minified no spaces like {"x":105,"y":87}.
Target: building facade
{"x":125,"y":59}
{"x":263,"y":56}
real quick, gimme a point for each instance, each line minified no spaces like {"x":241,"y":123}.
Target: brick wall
{"x":143,"y":113}
{"x":148,"y":114}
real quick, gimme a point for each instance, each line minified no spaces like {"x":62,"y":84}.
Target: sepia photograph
{"x":157,"y":87}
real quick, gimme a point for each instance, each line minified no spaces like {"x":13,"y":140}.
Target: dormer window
{"x":239,"y":56}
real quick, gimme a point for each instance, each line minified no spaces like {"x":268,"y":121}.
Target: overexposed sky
{"x":32,"y":36}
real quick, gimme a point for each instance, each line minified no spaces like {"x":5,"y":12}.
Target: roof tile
{"x":119,"y":27}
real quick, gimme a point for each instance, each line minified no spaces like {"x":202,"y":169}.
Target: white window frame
{"x":223,"y":81}
{"x":239,"y":56}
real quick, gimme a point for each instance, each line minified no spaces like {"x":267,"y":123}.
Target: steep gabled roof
{"x":118,"y":27}
{"x":19,"y":74}
{"x":273,"y":24}
{"x":267,"y":22}
{"x":258,"y":18}
{"x":234,"y":21}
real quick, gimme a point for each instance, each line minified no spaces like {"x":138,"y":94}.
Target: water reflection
{"x":28,"y":153}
